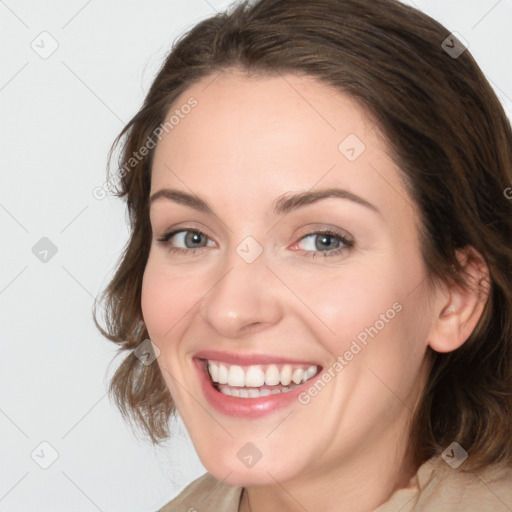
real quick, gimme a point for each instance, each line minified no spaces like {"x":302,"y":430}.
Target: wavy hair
{"x":452,"y":141}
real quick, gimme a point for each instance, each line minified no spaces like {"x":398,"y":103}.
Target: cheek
{"x":169,"y":297}
{"x":367,"y":313}
{"x":341,"y":304}
{"x":161,"y":308}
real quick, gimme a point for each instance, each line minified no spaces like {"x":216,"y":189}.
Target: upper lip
{"x":242,"y":359}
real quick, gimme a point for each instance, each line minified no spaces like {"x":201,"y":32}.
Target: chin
{"x":234,"y":472}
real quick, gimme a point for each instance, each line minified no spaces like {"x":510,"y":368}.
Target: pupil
{"x":193,"y":237}
{"x":324,"y":240}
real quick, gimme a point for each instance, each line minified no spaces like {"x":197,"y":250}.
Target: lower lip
{"x":244,"y":407}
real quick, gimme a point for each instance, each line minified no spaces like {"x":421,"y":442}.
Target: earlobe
{"x":456,"y":317}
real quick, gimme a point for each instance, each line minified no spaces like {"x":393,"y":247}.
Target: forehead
{"x":237,"y":116}
{"x":269,"y":135}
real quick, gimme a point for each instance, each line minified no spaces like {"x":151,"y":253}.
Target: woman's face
{"x":272,"y":294}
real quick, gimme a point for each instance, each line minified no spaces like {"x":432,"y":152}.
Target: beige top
{"x":436,"y":487}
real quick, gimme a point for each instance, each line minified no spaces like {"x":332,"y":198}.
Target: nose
{"x":244,"y":299}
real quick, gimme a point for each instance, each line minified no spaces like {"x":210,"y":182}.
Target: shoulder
{"x":486,"y":490}
{"x":206,"y":493}
{"x":441,"y":488}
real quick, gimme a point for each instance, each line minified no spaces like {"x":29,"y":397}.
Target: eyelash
{"x":347,"y":243}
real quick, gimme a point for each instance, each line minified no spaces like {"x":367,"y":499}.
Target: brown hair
{"x":448,"y":134}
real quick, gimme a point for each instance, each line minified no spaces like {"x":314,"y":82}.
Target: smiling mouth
{"x":259,"y":380}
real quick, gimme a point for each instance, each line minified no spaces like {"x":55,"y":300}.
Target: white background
{"x":58,"y":118}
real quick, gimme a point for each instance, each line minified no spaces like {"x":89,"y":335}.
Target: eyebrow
{"x":281,"y":206}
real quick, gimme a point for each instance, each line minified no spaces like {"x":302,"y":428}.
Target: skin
{"x":248,"y":142}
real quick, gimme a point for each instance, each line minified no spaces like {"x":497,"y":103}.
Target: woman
{"x":320,"y":263}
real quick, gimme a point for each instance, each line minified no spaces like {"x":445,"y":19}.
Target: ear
{"x":458,"y":309}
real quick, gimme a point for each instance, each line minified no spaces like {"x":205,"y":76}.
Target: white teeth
{"x":226,"y":390}
{"x":236,"y":376}
{"x":286,"y":375}
{"x":214,"y":371}
{"x":272,"y":375}
{"x":297,"y":375}
{"x":253,"y":393}
{"x":256,"y":376}
{"x":310,"y":372}
{"x":223,"y":373}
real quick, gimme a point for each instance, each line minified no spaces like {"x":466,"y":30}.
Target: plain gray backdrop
{"x":72,"y":74}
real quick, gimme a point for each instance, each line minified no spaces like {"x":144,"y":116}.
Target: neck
{"x":253,"y":500}
{"x":359,"y":485}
